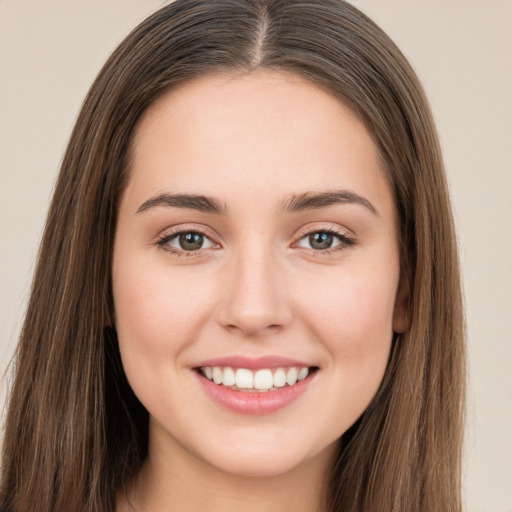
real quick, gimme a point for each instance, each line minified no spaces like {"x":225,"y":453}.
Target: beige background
{"x":51,"y":50}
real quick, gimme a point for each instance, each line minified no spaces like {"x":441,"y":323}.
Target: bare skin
{"x":223,"y":492}
{"x":280,"y":188}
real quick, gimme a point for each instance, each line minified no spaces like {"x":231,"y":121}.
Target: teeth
{"x":260,"y":380}
{"x":303,"y":373}
{"x":217,"y":375}
{"x":291,"y":376}
{"x":228,"y":378}
{"x":263,"y":379}
{"x":244,"y":379}
{"x":279,"y":378}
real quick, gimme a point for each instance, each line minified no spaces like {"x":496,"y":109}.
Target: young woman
{"x":247,"y":293}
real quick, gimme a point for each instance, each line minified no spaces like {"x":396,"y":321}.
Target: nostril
{"x":251,"y":329}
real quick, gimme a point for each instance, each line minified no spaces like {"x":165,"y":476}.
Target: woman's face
{"x":256,"y":243}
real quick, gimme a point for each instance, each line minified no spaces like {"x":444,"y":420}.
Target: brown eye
{"x":325,"y":241}
{"x":321,"y":240}
{"x":191,"y":241}
{"x":186,"y":242}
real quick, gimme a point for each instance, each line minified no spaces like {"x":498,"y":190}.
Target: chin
{"x":265,"y":456}
{"x":258,"y":465}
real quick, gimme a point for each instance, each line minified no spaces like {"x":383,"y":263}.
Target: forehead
{"x":253,"y":135}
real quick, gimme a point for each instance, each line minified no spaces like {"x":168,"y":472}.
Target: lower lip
{"x":254,"y":402}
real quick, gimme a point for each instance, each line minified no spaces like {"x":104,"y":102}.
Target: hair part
{"x":75,"y":432}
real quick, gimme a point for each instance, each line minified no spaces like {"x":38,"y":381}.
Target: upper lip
{"x":253,"y":363}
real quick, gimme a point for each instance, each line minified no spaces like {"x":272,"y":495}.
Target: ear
{"x":401,"y":313}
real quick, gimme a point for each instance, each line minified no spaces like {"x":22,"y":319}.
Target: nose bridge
{"x":255,"y":298}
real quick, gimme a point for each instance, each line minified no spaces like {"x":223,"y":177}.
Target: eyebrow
{"x":190,"y":201}
{"x":314,"y":200}
{"x":295,"y":203}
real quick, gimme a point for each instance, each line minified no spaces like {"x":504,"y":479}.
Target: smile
{"x":255,"y":386}
{"x":261,"y":380}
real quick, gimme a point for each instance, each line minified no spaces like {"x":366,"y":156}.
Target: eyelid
{"x":346,"y":237}
{"x":168,"y":234}
{"x":324,"y":227}
{"x":189,"y":228}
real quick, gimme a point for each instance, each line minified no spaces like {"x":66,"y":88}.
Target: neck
{"x":180,"y":480}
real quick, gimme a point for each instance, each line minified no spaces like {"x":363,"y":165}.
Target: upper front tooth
{"x":244,"y":378}
{"x":228,"y":377}
{"x":263,"y":379}
{"x":217,"y":375}
{"x":279,"y":378}
{"x":291,"y":376}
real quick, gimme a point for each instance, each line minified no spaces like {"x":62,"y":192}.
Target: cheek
{"x":351,"y":303}
{"x":352,"y":319}
{"x":158,"y":311}
{"x":352,"y":316}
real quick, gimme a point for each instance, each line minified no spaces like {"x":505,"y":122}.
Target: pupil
{"x":191,"y":241}
{"x":320,"y":240}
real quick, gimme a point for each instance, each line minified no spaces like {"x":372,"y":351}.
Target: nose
{"x":255,"y":300}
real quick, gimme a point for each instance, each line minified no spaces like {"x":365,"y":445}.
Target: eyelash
{"x":345,"y":240}
{"x":163,"y":242}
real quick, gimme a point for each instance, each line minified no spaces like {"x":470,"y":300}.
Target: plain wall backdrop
{"x":50,"y":51}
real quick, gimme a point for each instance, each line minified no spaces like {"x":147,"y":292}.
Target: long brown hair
{"x":75,"y":432}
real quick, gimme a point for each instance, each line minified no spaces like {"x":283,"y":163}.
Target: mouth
{"x":255,"y":385}
{"x":261,"y":380}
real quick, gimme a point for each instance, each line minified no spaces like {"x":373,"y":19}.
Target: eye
{"x":325,"y":240}
{"x":185,"y":241}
